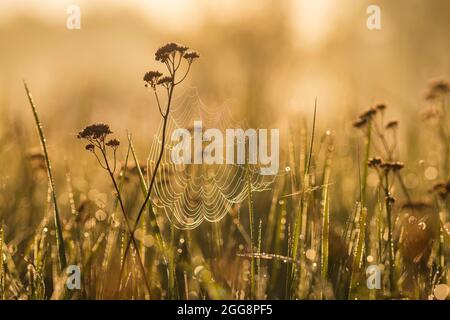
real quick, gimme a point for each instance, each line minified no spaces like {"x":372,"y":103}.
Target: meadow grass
{"x":300,"y":240}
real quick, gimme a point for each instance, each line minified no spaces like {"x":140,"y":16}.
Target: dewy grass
{"x":325,"y":223}
{"x":358,"y":253}
{"x":301,"y":246}
{"x":59,"y":234}
{"x":2,"y":268}
{"x":300,"y":223}
{"x":251,"y":226}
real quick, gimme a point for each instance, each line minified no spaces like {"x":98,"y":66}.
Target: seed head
{"x":95,"y":131}
{"x":360,"y":122}
{"x":439,"y":86}
{"x":391,"y":165}
{"x":380,"y":107}
{"x":365,"y":117}
{"x":368,"y":114}
{"x":163,"y":53}
{"x":396,"y":166}
{"x":151,"y":78}
{"x":165,"y":81}
{"x":392,"y":124}
{"x":436,"y":88}
{"x":190,"y":56}
{"x":90,"y":147}
{"x":113,"y":143}
{"x":375,"y":162}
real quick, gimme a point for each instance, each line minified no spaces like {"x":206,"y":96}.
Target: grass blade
{"x":59,"y":235}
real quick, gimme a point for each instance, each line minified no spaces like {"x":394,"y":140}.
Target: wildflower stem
{"x":127,"y":224}
{"x":390,"y":241}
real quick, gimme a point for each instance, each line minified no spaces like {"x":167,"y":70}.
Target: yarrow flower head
{"x":394,"y":166}
{"x":90,"y":147}
{"x":380,"y":107}
{"x":165,"y":81}
{"x":151,"y":78}
{"x":392,"y":124}
{"x":171,"y":48}
{"x":113,"y":143}
{"x":375,"y":162}
{"x":436,"y":89}
{"x":95,"y":131}
{"x":190,"y":56}
{"x":365,"y":117}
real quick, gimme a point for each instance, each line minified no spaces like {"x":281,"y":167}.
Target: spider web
{"x":192,"y":193}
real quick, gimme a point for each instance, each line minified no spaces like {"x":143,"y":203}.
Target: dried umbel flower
{"x":191,"y":56}
{"x":380,"y":107}
{"x":360,"y":123}
{"x":90,"y":147}
{"x":95,"y":131}
{"x":368,"y":114}
{"x":375,"y":162}
{"x":391,"y":165}
{"x":113,"y":143}
{"x":440,"y":86}
{"x":365,"y":117}
{"x":163,"y":53}
{"x":392,"y":125}
{"x":96,"y":134}
{"x":436,"y":89}
{"x":165,"y":81}
{"x":151,"y":78}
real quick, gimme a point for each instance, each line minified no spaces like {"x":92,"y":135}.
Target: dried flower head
{"x":436,"y":88}
{"x":165,"y":81}
{"x":392,"y":124}
{"x":380,"y":107}
{"x":365,"y":117}
{"x":95,"y":131}
{"x":391,"y":165}
{"x":369,"y":113}
{"x":90,"y":147}
{"x":151,"y":78}
{"x":163,"y":53}
{"x":439,"y":86}
{"x":359,"y":123}
{"x":191,"y":56}
{"x":375,"y":162}
{"x":396,"y":166}
{"x":113,"y":143}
